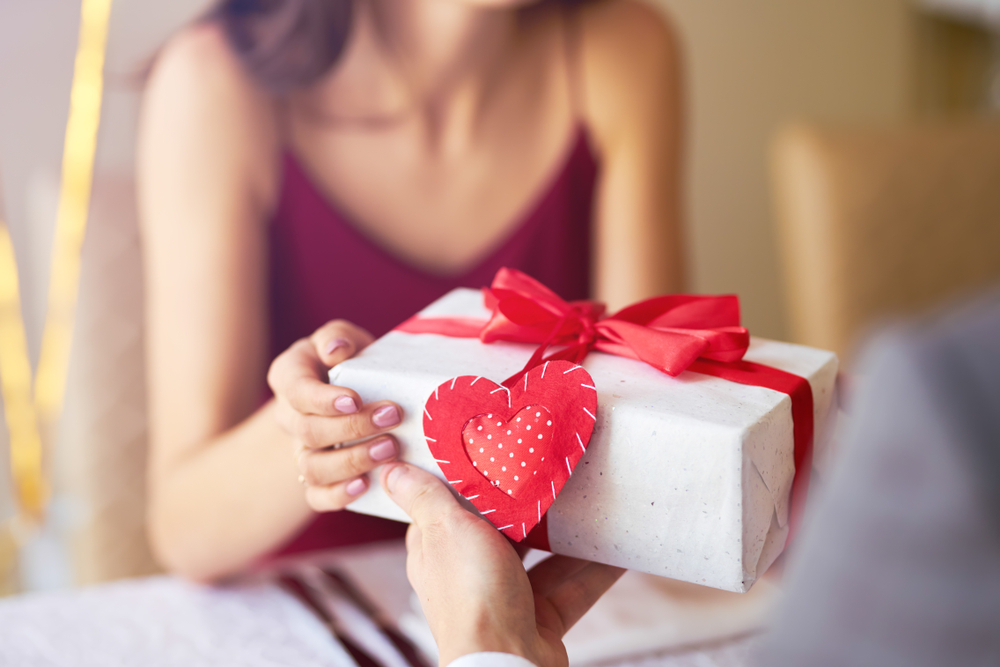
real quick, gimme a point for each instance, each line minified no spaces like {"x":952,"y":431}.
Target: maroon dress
{"x":323,"y":267}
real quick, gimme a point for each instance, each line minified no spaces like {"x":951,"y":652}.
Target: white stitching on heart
{"x":428,"y":414}
{"x":590,"y":414}
{"x":506,"y":390}
{"x":580,"y":440}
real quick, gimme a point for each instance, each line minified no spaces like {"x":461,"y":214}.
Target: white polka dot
{"x":486,"y":472}
{"x":515,"y":478}
{"x":492,"y":459}
{"x":510,"y":492}
{"x":518,"y":419}
{"x":529,"y":427}
{"x":535,"y":473}
{"x":480,"y":428}
{"x":500,"y":446}
{"x":503,"y":468}
{"x":539,"y":436}
{"x":548,"y":423}
{"x":480,"y":450}
{"x":522,"y":464}
{"x":519,"y":441}
{"x":538,"y":414}
{"x":499,"y":423}
{"x":489,"y":437}
{"x":512,"y":455}
{"x":531,"y":450}
{"x":489,"y":416}
{"x":543,"y":458}
{"x":471,"y":441}
{"x":475,"y":464}
{"x":508,"y":432}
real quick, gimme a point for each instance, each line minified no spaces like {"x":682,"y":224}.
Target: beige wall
{"x":752,"y":66}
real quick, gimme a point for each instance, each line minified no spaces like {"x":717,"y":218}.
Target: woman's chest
{"x":437,"y":203}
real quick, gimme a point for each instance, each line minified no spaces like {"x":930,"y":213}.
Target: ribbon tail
{"x":455,"y":327}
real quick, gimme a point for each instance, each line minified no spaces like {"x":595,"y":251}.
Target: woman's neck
{"x":431,"y":60}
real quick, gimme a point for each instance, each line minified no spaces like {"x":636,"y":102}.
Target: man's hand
{"x":472,"y":585}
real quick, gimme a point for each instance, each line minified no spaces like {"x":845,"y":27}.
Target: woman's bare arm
{"x":632,"y":103}
{"x":207,"y":150}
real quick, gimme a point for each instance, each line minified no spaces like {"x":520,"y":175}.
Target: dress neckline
{"x":528,"y":218}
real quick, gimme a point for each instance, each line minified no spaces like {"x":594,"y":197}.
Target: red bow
{"x":667,"y":332}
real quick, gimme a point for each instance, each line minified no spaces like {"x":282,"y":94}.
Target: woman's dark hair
{"x":288,"y":44}
{"x":285,"y":44}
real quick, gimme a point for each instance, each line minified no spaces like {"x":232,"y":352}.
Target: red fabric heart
{"x":472,"y":429}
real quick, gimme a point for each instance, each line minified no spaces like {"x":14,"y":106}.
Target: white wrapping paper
{"x":685,"y":477}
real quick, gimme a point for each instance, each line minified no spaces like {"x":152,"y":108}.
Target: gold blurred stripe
{"x":15,"y":381}
{"x":26,"y":413}
{"x":74,"y":204}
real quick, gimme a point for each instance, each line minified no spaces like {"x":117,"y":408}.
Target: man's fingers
{"x":566,"y":604}
{"x":423,"y":497}
{"x":549,"y":574}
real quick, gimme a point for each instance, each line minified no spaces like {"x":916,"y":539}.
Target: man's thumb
{"x":420,"y":494}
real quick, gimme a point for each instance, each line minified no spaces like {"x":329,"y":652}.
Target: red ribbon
{"x":671,"y":333}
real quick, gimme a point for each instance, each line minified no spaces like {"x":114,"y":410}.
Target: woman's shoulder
{"x":200,"y":97}
{"x":630,"y":64}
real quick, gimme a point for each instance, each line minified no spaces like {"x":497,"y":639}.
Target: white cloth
{"x":491,"y":659}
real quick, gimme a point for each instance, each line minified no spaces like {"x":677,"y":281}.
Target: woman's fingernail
{"x":393,"y":476}
{"x":357,"y":487}
{"x":336,"y":343}
{"x":382,"y":450}
{"x":386,"y":416}
{"x":346,"y":405}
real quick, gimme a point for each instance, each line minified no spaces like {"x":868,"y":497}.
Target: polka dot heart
{"x":510,"y":450}
{"x":508,"y":453}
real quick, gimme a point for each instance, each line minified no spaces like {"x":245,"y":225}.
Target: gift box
{"x":688,"y":477}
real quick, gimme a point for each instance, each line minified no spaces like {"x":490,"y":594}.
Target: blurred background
{"x":816,"y":131}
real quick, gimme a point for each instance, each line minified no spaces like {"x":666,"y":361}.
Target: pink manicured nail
{"x":336,"y":343}
{"x":357,"y":487}
{"x":386,"y":416}
{"x":382,"y":450}
{"x":345,"y":404}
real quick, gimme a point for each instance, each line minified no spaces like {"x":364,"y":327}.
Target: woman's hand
{"x":320,"y":417}
{"x":471,"y":582}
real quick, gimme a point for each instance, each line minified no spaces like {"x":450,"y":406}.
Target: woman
{"x":303,"y":160}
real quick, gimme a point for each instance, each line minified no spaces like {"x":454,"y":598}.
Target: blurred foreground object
{"x":899,"y":562}
{"x":876,"y":222}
